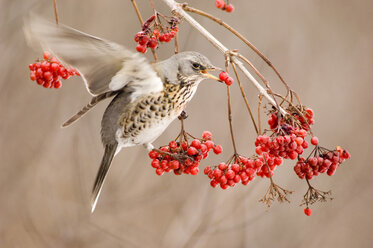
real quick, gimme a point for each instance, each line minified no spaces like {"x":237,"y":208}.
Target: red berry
{"x":314,"y":141}
{"x":156,"y":32}
{"x":229,"y":81}
{"x":207,"y":170}
{"x":155,"y":163}
{"x":218,"y":149}
{"x":141,"y":48}
{"x":214,"y":183}
{"x":159,"y":171}
{"x":48,"y":75}
{"x":309,"y":113}
{"x":307,"y":211}
{"x":153,"y":154}
{"x":194,"y":171}
{"x":57,"y":84}
{"x":223,"y":76}
{"x":196,"y":143}
{"x":219,"y":4}
{"x":46,"y":55}
{"x":192,"y":151}
{"x":229,"y":8}
{"x":32,"y":75}
{"x":143,"y":40}
{"x":218,"y":173}
{"x":222,"y":166}
{"x":174,"y":164}
{"x":209,"y":144}
{"x":172,"y":144}
{"x":299,"y":140}
{"x":235,"y":167}
{"x":224,"y":186}
{"x":207,"y":135}
{"x":230,"y":174}
{"x":153,"y":44}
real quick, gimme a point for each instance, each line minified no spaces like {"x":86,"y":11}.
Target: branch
{"x":178,"y":10}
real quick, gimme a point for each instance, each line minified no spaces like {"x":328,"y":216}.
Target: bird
{"x":147,"y":97}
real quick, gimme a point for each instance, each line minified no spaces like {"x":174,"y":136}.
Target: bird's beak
{"x":208,"y":75}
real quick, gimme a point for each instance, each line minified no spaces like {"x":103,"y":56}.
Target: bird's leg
{"x":149,"y":146}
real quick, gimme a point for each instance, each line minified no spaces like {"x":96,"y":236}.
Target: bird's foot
{"x":148,"y":146}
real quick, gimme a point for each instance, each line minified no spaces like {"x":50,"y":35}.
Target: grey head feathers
{"x":187,"y":65}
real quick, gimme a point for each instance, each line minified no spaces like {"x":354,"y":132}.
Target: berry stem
{"x":55,"y":10}
{"x":176,"y":43}
{"x":259,"y":105}
{"x":245,"y":98}
{"x":137,"y":11}
{"x":227,"y":60}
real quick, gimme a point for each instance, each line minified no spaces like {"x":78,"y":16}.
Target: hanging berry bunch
{"x":320,"y":160}
{"x":240,"y":169}
{"x":220,"y":4}
{"x":153,"y":31}
{"x":287,"y":140}
{"x":49,"y":72}
{"x":181,"y":156}
{"x":287,"y":134}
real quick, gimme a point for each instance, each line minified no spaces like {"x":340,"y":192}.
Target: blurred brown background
{"x":324,"y":49}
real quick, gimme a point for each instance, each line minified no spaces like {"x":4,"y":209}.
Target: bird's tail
{"x":87,"y":107}
{"x":102,"y":172}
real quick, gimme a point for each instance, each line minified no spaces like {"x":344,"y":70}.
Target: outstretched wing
{"x":104,"y":65}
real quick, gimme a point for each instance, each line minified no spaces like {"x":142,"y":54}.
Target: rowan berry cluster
{"x":241,"y":169}
{"x":322,"y":161}
{"x":288,"y":134}
{"x":183,"y":157}
{"x":223,"y":76}
{"x":153,"y":32}
{"x":220,"y":4}
{"x":229,"y":174}
{"x":50,"y":71}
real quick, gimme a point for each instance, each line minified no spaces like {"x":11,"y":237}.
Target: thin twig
{"x":235,"y":32}
{"x":55,"y":10}
{"x":176,"y":43}
{"x":259,"y":122}
{"x":245,"y":98}
{"x":227,"y":59}
{"x":137,"y":11}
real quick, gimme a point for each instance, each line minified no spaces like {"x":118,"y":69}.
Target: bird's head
{"x":187,"y":67}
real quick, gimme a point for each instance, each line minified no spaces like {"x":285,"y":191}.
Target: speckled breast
{"x":151,"y":114}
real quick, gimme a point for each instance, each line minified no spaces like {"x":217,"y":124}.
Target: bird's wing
{"x":104,"y":65}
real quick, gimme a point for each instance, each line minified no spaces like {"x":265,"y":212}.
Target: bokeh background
{"x":324,"y":49}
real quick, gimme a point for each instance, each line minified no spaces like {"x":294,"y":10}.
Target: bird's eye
{"x":196,"y":65}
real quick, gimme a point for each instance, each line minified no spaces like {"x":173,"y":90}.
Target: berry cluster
{"x":285,"y":146}
{"x":152,"y":33}
{"x":229,"y":174}
{"x":241,"y":170}
{"x":322,"y":161}
{"x":272,"y":161}
{"x":184,"y":157}
{"x":49,"y":72}
{"x":220,"y":4}
{"x":223,"y":76}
